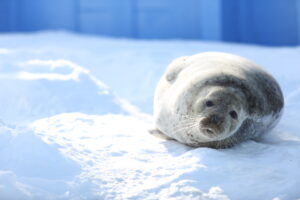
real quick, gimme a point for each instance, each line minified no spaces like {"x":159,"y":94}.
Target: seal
{"x":215,"y":100}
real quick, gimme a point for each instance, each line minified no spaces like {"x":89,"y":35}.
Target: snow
{"x":75,"y":113}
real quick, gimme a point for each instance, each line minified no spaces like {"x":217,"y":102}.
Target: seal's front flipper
{"x":158,"y":133}
{"x":175,"y":68}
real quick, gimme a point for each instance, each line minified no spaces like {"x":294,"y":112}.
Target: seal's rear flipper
{"x":158,"y":133}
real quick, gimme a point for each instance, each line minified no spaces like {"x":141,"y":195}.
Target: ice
{"x":75,"y":113}
{"x":43,"y":88}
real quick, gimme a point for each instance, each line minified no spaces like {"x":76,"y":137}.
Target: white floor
{"x":74,"y":115}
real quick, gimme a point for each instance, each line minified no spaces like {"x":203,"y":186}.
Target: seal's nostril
{"x":209,"y":131}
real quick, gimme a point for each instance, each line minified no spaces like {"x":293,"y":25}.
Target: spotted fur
{"x":235,"y":84}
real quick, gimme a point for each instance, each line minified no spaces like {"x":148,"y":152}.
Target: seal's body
{"x":216,"y":100}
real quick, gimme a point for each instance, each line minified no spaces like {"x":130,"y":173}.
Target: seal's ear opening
{"x":175,"y":68}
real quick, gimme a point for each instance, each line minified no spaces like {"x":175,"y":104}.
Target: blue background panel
{"x":172,"y":19}
{"x":277,"y":26}
{"x":6,"y":15}
{"x":44,"y":14}
{"x":90,"y":5}
{"x":268,"y":22}
{"x":210,"y":14}
{"x":106,"y":17}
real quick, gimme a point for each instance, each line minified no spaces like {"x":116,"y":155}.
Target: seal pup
{"x":216,"y":100}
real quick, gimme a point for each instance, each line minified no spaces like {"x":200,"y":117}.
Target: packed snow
{"x":75,"y":113}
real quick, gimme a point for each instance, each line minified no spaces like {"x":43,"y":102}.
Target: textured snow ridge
{"x":80,"y":156}
{"x":69,"y":129}
{"x":41,"y":88}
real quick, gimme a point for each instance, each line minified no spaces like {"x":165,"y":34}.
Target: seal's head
{"x":219,"y":112}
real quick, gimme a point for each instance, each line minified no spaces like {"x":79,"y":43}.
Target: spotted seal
{"x":216,"y":100}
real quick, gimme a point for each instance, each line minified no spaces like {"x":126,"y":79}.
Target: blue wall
{"x":268,"y":22}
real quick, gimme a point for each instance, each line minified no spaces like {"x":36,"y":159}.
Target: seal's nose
{"x":212,"y":125}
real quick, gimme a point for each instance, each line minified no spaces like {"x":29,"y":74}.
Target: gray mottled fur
{"x":251,"y":90}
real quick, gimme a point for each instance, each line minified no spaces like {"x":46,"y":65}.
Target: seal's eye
{"x":233,"y":114}
{"x":209,"y":103}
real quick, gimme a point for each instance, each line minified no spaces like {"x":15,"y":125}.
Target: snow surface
{"x":75,"y":112}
